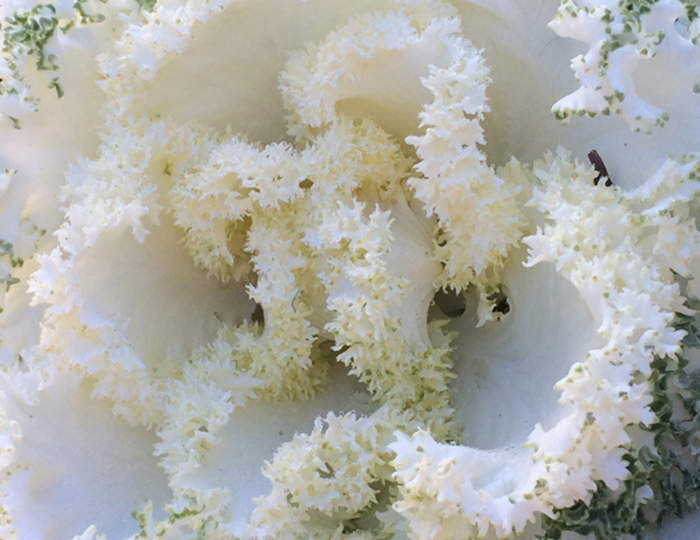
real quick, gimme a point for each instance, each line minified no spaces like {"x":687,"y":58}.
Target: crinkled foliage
{"x":299,"y":269}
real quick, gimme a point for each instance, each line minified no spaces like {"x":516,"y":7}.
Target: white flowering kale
{"x":307,"y":269}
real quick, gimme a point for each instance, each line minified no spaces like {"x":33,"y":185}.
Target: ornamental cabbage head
{"x":383,"y":269}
